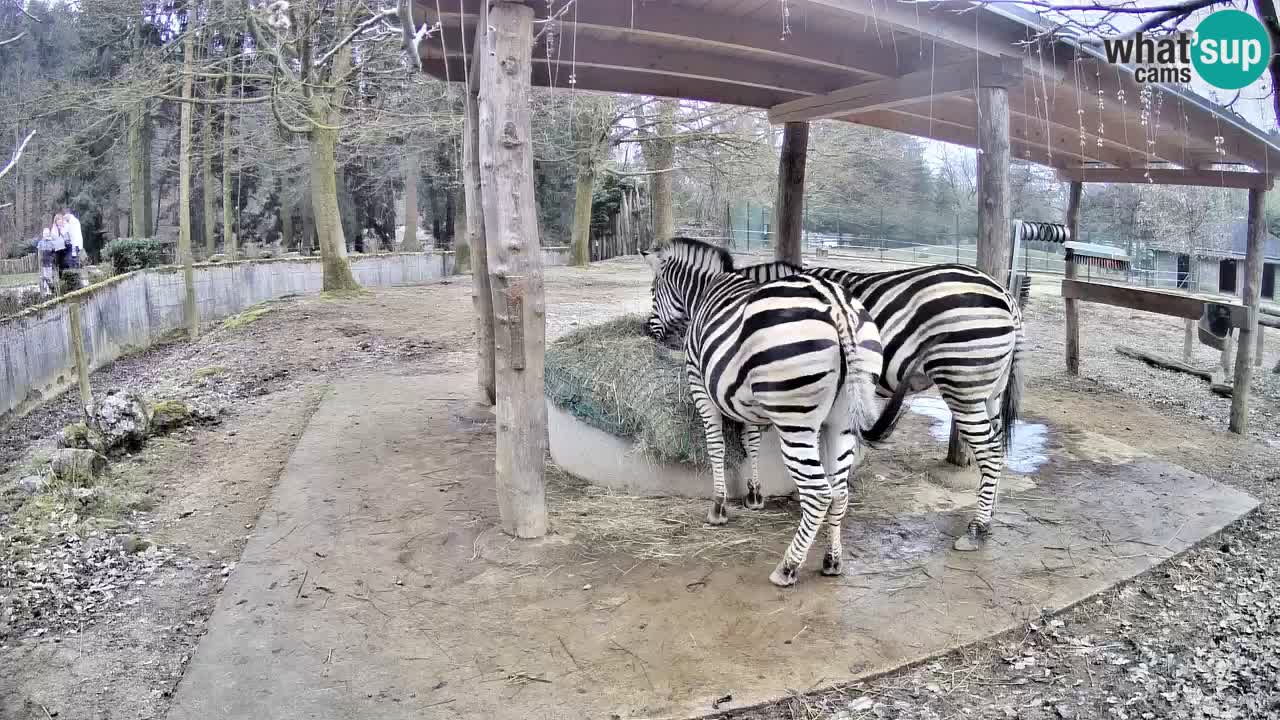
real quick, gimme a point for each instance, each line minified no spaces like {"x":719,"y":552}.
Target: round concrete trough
{"x":609,"y":461}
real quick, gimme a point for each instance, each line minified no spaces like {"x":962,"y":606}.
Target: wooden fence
{"x":24,"y":264}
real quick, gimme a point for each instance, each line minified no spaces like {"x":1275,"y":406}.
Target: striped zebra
{"x":952,"y":326}
{"x":795,"y":353}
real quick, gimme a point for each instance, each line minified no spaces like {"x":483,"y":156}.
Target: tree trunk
{"x":481,"y":293}
{"x":1252,"y":297}
{"x":206,"y":180}
{"x":412,"y":164}
{"x":184,"y":191}
{"x":582,"y":211}
{"x":437,"y":209}
{"x":328,"y":217}
{"x":139,"y":189}
{"x":660,"y":156}
{"x":515,"y":266}
{"x":150,"y":199}
{"x":788,"y":209}
{"x":286,"y":222}
{"x":228,"y":209}
{"x":1072,"y":307}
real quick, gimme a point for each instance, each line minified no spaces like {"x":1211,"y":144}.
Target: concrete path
{"x":376,"y":585}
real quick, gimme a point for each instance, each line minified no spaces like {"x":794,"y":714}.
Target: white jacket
{"x":73,"y":231}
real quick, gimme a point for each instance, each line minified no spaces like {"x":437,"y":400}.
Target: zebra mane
{"x":702,"y":255}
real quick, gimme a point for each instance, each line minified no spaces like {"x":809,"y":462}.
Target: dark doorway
{"x":1269,"y":281}
{"x":1184,"y":271}
{"x":1227,"y":277}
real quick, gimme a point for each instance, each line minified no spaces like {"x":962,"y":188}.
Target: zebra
{"x":795,"y":353}
{"x":947,"y":325}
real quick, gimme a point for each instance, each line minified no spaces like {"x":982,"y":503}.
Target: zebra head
{"x":668,"y":313}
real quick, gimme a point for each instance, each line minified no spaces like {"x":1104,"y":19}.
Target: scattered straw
{"x":662,"y":528}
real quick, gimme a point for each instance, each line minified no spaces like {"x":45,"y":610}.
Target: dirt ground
{"x":1195,"y":638}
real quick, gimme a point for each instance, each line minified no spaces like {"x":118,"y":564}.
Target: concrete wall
{"x":130,"y":312}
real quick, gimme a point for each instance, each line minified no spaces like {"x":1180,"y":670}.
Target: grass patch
{"x":208,"y":372}
{"x":248,"y":317}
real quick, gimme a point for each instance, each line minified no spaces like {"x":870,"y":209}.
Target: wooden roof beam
{"x":960,"y":134}
{"x":693,"y":27}
{"x":627,"y":81}
{"x":892,"y":92}
{"x":915,"y":20}
{"x":1170,"y":176}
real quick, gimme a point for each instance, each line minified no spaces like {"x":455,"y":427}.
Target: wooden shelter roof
{"x":909,"y":67}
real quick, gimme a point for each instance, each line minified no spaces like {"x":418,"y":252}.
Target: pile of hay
{"x":615,"y":378}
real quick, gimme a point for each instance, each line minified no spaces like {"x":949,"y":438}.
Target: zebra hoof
{"x":784,"y":575}
{"x":718,"y":514}
{"x":973,"y":540}
{"x":832,"y":565}
{"x":754,"y":500}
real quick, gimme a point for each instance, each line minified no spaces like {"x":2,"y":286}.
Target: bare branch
{"x":13,"y":39}
{"x":376,"y":19}
{"x":17,"y":154}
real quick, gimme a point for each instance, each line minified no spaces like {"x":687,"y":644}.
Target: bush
{"x":128,"y":254}
{"x":21,"y":249}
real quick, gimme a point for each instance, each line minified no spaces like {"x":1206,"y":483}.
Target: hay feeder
{"x":619,"y":416}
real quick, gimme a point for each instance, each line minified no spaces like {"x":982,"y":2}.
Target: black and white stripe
{"x":795,"y":353}
{"x":952,"y":326}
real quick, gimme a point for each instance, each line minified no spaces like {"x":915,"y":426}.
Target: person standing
{"x":75,"y":237}
{"x":44,"y":247}
{"x":58,"y":243}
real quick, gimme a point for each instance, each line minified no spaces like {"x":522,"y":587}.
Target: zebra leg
{"x":713,"y":424}
{"x":979,"y":432}
{"x":800,"y":455}
{"x":839,"y":455}
{"x":751,"y":441}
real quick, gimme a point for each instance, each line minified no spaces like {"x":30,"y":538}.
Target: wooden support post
{"x":788,"y":209}
{"x":481,"y":296}
{"x":1252,"y":297}
{"x":1188,"y":340}
{"x":1069,"y":270}
{"x":515,"y":268}
{"x":1257,"y":356}
{"x":77,"y":352}
{"x":993,"y":205}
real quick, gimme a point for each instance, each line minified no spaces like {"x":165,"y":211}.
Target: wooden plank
{"x":515,"y":270}
{"x":1074,"y":196}
{"x":955,"y":133}
{"x":789,"y":207}
{"x":1155,"y":301}
{"x":473,"y":206}
{"x":76,"y":338}
{"x":634,"y":82}
{"x":890,"y":92}
{"x":1164,"y":362}
{"x":1252,"y":297}
{"x":1170,"y":176}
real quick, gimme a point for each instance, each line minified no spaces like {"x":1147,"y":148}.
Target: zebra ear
{"x":654,"y":260}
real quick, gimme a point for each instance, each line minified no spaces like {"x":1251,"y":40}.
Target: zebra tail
{"x":859,"y":386}
{"x":1011,"y":399}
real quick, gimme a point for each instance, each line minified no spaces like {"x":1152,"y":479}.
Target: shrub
{"x":128,"y":254}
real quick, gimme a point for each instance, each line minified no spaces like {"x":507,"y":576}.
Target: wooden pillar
{"x":515,"y":268}
{"x":1188,"y":340}
{"x":1069,"y":271}
{"x":481,"y":297}
{"x":1252,"y":299}
{"x":788,"y":208}
{"x":1257,"y":356}
{"x":77,"y":353}
{"x":993,"y":201}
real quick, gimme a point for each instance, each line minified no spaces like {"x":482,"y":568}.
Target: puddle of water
{"x":1026,"y":454}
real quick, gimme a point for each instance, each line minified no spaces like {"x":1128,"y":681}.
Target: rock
{"x":265,"y":254}
{"x":169,"y":415}
{"x":32,"y":484}
{"x":75,"y":435}
{"x":217,"y":258}
{"x":208,"y":412}
{"x":120,"y":423}
{"x":77,"y":467}
{"x":132,"y":544}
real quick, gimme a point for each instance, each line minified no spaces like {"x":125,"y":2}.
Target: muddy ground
{"x":1199,"y":637}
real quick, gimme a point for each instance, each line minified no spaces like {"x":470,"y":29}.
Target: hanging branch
{"x":13,"y":39}
{"x":17,"y":154}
